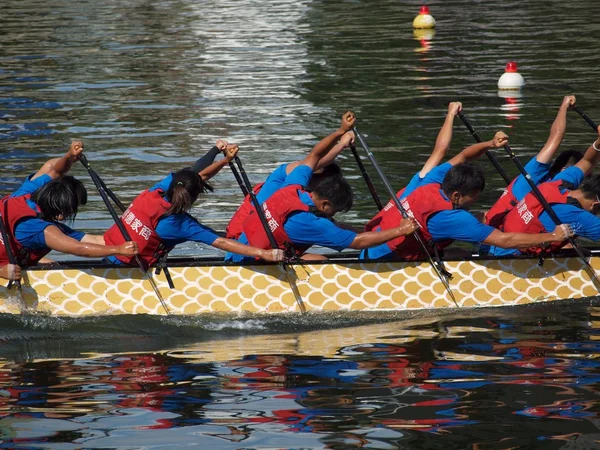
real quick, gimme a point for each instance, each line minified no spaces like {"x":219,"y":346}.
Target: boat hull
{"x":76,"y":289}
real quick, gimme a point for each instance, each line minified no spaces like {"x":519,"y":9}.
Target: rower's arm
{"x":373,"y":238}
{"x":444,"y":138}
{"x":345,"y":141}
{"x":230,"y":152}
{"x":591,"y":157}
{"x":93,"y":239}
{"x":10,"y":272}
{"x":229,"y":245}
{"x":325,"y":144}
{"x":524,"y":240}
{"x":473,"y":152}
{"x":58,"y":167}
{"x":557,"y":132}
{"x":57,"y":240}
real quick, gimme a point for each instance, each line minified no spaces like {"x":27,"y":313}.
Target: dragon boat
{"x":343,"y":283}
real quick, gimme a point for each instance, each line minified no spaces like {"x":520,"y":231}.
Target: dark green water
{"x":150,"y":86}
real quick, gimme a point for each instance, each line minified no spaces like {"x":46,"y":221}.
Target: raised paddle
{"x":100,"y":187}
{"x":590,"y":122}
{"x":238,"y":178}
{"x":548,"y":209}
{"x":365,"y":175}
{"x":9,"y":253}
{"x":489,"y":154}
{"x":402,"y":211}
{"x":263,"y":220}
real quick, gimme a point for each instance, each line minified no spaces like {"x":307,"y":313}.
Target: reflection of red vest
{"x":376,"y":221}
{"x":277,"y":209}
{"x":236,"y":224}
{"x":525,"y":217}
{"x":421,"y":204}
{"x":140,"y":220}
{"x":507,"y":201}
{"x":14,"y":210}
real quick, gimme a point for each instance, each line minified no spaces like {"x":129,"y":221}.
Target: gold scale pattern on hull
{"x":338,"y":286}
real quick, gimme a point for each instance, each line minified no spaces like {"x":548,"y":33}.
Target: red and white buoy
{"x":424,"y":19}
{"x":511,"y":79}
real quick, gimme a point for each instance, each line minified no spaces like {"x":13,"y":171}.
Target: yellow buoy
{"x":424,"y":19}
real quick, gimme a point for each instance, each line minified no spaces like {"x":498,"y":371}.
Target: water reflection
{"x":374,"y":386}
{"x":424,"y":37}
{"x":512,"y":103}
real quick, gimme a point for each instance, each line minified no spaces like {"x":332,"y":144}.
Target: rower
{"x":442,"y":145}
{"x":32,"y":216}
{"x":538,"y":167}
{"x":10,"y":271}
{"x":440,"y":206}
{"x":158,"y":219}
{"x":324,"y":152}
{"x":574,"y":206}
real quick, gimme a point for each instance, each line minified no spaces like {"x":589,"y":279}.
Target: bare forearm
{"x":213,"y":169}
{"x":590,"y":158}
{"x":519,"y":240}
{"x":229,"y":245}
{"x":373,"y":238}
{"x":557,"y":133}
{"x":471,"y":153}
{"x":330,"y":156}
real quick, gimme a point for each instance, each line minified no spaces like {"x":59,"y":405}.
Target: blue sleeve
{"x":458,"y":224}
{"x":164,"y":184}
{"x":30,"y":232}
{"x":179,"y":228}
{"x":272,"y":183}
{"x":437,"y":174}
{"x":306,"y":228}
{"x":414,"y":183}
{"x":539,"y":173}
{"x":29,"y":186}
{"x":573,"y":175}
{"x":300,"y":175}
{"x":584,"y":223}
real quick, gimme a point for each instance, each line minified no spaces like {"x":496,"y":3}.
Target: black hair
{"x":60,"y":197}
{"x":337,"y":191}
{"x":466,"y":179}
{"x":184,"y":190}
{"x":329,"y":171}
{"x":591,"y":187}
{"x":571,"y":157}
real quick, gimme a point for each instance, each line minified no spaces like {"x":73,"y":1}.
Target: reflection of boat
{"x":205,"y":285}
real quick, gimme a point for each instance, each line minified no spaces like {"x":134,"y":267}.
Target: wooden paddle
{"x":100,"y":187}
{"x":366,"y":177}
{"x":263,"y":220}
{"x":9,"y":253}
{"x":489,"y":154}
{"x":402,"y":211}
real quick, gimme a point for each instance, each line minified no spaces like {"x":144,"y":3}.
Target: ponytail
{"x":184,"y":191}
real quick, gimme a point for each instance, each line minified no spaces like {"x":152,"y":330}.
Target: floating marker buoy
{"x":511,"y":79}
{"x":424,"y":19}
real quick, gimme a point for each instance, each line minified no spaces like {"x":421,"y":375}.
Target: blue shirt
{"x":584,"y":223}
{"x":30,"y":232}
{"x":305,"y":228}
{"x":539,"y":174}
{"x":274,"y":182}
{"x":29,"y":186}
{"x":456,"y":224}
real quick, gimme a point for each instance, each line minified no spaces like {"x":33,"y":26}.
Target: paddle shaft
{"x":489,"y":154}
{"x":99,"y":186}
{"x":238,"y":179}
{"x":270,"y":236}
{"x":548,"y":209}
{"x":587,"y":118}
{"x":365,"y":175}
{"x":402,"y":211}
{"x":9,"y":252}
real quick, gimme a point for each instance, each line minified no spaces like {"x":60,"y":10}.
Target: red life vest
{"x":376,"y":221}
{"x":421,"y":204}
{"x":140,"y":220}
{"x":277,"y":209}
{"x":14,"y":210}
{"x":236,"y":224}
{"x":507,"y":201}
{"x":525,"y":217}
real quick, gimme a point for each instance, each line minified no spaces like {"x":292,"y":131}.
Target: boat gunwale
{"x":343,"y":258}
